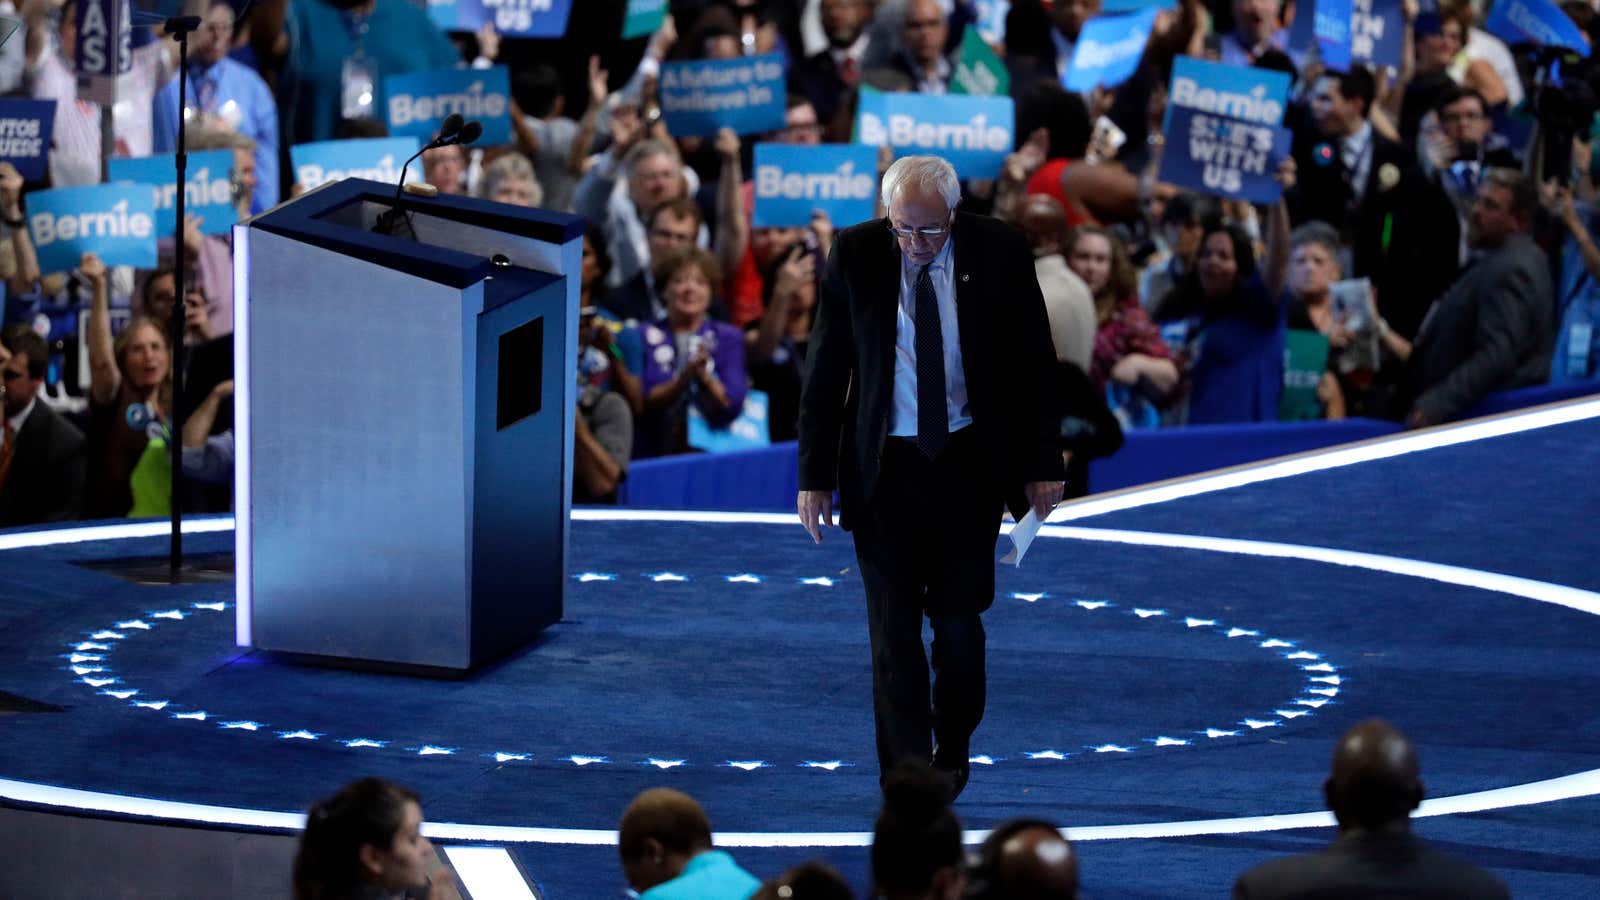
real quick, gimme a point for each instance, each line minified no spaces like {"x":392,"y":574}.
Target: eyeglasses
{"x":929,"y":231}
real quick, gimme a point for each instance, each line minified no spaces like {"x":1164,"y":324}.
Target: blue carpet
{"x":1109,"y":650}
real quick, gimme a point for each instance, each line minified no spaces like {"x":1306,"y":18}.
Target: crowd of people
{"x":1420,"y":233}
{"x":366,"y":842}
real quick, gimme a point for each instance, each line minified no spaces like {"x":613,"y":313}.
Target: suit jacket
{"x":818,"y":78}
{"x":1402,"y":233}
{"x":1494,"y":329}
{"x":1009,"y":364}
{"x":1369,"y":866}
{"x":46,"y":481}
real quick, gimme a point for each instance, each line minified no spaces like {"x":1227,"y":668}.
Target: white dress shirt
{"x":903,"y":417}
{"x":17,"y":421}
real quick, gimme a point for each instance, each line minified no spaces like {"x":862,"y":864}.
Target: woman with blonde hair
{"x":130,"y":388}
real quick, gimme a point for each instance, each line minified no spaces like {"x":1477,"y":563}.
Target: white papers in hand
{"x":1022,"y":537}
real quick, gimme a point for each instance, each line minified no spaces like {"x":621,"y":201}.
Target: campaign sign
{"x":792,"y":180}
{"x":419,"y":102}
{"x":375,"y":159}
{"x":747,"y":432}
{"x":973,"y":133}
{"x":25,"y":127}
{"x":1255,"y":95}
{"x":1332,"y":27}
{"x":1222,"y":155}
{"x":1377,"y":31}
{"x":116,"y":222}
{"x":643,"y":17}
{"x":1113,"y":7}
{"x":1108,"y":50}
{"x":512,"y":18}
{"x":207,"y":192}
{"x":702,"y":96}
{"x":1535,"y":22}
{"x":991,"y":20}
{"x":105,"y":37}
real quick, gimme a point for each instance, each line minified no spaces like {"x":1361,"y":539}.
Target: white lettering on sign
{"x":200,"y":190}
{"x":314,"y":175}
{"x":113,"y":223}
{"x":843,"y":183}
{"x":471,"y":104}
{"x":1094,"y":55}
{"x":904,"y":131}
{"x":1252,"y":107}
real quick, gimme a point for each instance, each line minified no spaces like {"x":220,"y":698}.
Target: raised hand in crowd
{"x":489,"y":42}
{"x":193,"y":237}
{"x":1015,"y":172}
{"x":27,"y":273}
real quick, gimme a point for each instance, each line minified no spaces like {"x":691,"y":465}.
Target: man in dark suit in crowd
{"x":1495,"y":328}
{"x":42,"y":465}
{"x":930,"y":406}
{"x":826,"y":75}
{"x":1396,"y":223}
{"x":1465,"y":148}
{"x":1372,"y":790}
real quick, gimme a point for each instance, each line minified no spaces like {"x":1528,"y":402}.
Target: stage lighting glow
{"x":749,"y":765}
{"x":1048,"y":754}
{"x":1199,"y":623}
{"x":1256,"y":724}
{"x":120,"y":695}
{"x":984,"y":760}
{"x":1319,"y":667}
{"x":108,"y":636}
{"x":1093,"y":604}
{"x":586,"y":760}
{"x":1327,"y":679}
{"x":666,"y":576}
{"x":1215,"y":733}
{"x":745,"y":578}
{"x":1112,"y":748}
{"x":831,"y":765}
{"x":152,"y":704}
{"x":301,"y":735}
{"x":364,"y":743}
{"x":1165,"y":741}
{"x":1274,"y":643}
{"x":242,"y":726}
{"x":134,"y":625}
{"x":198,"y":715}
{"x":664,"y":763}
{"x":431,"y":750}
{"x":824,"y":581}
{"x":1031,"y":598}
{"x":510,"y":757}
{"x":169,"y":614}
{"x":1290,"y":713}
{"x":1242,"y":632}
{"x":1302,"y":654}
{"x":587,"y":577}
{"x":1325,"y":692}
{"x":87,"y":670}
{"x":1149,"y":613}
{"x":1314,"y":704}
{"x":90,"y":645}
{"x":99,"y":682}
{"x":84,"y":657}
{"x":210,"y":607}
{"x":489,"y":872}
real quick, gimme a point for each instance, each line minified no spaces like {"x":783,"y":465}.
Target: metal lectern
{"x":403,"y":426}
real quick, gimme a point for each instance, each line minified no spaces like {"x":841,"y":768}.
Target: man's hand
{"x":1043,"y":496}
{"x":489,"y":42}
{"x":816,"y":511}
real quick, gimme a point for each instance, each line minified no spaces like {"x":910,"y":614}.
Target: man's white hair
{"x":925,"y":174}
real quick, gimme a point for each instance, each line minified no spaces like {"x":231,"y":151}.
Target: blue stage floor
{"x":1136,"y":679}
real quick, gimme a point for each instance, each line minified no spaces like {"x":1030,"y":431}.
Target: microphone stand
{"x":179,"y":27}
{"x":388,"y":219}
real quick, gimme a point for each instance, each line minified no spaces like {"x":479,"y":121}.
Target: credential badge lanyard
{"x":357,"y":83}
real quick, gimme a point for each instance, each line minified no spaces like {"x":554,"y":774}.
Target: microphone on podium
{"x":454,"y":130}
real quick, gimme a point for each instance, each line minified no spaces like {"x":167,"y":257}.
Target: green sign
{"x":644,"y":17}
{"x":1305,"y":361}
{"x":978,"y":69}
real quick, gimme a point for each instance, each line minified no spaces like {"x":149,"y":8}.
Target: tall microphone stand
{"x":179,"y":27}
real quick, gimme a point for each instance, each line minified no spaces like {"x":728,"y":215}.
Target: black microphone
{"x":469,"y":133}
{"x":450,"y":131}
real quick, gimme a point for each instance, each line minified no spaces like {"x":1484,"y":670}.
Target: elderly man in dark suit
{"x":1372,"y":790}
{"x":930,"y":406}
{"x":1495,"y":328}
{"x":42,"y":466}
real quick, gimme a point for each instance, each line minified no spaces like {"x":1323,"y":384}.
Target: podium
{"x":403,"y":428}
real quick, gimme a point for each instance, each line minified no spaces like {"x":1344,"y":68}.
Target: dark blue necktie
{"x":933,"y":421}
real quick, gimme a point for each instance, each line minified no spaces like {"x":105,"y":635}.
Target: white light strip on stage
{"x":119,"y":532}
{"x":1543,"y":591}
{"x":1567,"y":787}
{"x":1317,"y":461}
{"x":489,"y":873}
{"x":242,"y":580}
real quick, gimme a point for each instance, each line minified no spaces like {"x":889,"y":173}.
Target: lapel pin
{"x":965,"y":277}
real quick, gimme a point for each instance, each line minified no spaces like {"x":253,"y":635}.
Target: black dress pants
{"x":925,"y":542}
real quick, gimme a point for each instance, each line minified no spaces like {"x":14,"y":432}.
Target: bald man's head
{"x":1375,"y":781}
{"x":1044,"y":222}
{"x":1037,"y":863}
